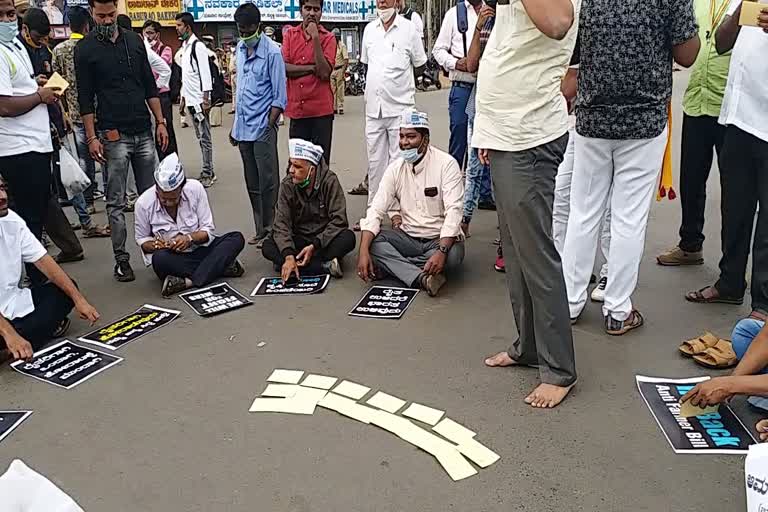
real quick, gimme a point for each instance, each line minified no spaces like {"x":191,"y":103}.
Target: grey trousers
{"x":398,"y":254}
{"x":524,"y":185}
{"x":203,"y":134}
{"x":262,"y":179}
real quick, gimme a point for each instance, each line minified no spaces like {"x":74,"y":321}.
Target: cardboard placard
{"x":721,"y":432}
{"x":306,"y":286}
{"x":9,"y":420}
{"x":384,"y":302}
{"x":750,"y":12}
{"x":215,"y":299}
{"x":66,"y":365}
{"x":131,"y":327}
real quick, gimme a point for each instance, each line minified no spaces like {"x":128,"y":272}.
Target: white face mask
{"x":386,"y":14}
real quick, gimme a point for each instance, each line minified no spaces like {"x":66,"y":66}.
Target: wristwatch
{"x":163,"y":122}
{"x":443,"y":249}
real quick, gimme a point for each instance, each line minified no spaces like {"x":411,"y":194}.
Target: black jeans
{"x":204,"y":265}
{"x":317,"y":130}
{"x":60,"y":230}
{"x":51,"y":307}
{"x":700,"y":136}
{"x":262,"y":179}
{"x":167,"y":105}
{"x":744,"y":178}
{"x":343,"y":244}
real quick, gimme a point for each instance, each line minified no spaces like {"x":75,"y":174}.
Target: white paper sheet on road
{"x":286,"y":376}
{"x":319,"y":381}
{"x":386,"y":402}
{"x":351,"y":390}
{"x":423,"y":413}
{"x":449,"y":429}
{"x":478,"y":453}
{"x":281,"y":390}
{"x":24,"y":490}
{"x":347,"y":407}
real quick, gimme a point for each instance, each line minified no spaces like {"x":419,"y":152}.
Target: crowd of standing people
{"x":558,"y":121}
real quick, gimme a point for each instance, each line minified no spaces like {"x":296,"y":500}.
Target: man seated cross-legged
{"x":31,"y":317}
{"x":311,"y":231}
{"x":174,"y":228}
{"x":423,"y":193}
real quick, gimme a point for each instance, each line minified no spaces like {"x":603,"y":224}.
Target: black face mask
{"x":106,"y":31}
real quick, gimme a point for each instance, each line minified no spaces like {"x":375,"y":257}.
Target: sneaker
{"x":124,"y":272}
{"x":130,"y":206}
{"x":676,"y":257}
{"x":96,"y":231}
{"x":598,"y":294}
{"x":236,"y":269}
{"x":432,"y":284}
{"x":97,"y":195}
{"x":91,"y":209}
{"x":62,"y":258}
{"x":173,"y":285}
{"x":498,"y":266}
{"x":62,"y":328}
{"x":76,"y":226}
{"x":618,"y":327}
{"x":333,"y":267}
{"x":208,"y":181}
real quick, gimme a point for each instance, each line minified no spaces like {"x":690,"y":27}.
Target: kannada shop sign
{"x":336,"y":11}
{"x":162,"y":11}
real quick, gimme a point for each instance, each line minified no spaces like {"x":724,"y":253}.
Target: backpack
{"x":217,"y":79}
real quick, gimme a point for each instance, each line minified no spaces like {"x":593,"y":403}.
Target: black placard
{"x":131,"y":327}
{"x":9,"y":420}
{"x":720,"y":432}
{"x":65,"y":364}
{"x":215,"y":299}
{"x":306,"y":286}
{"x":384,"y":302}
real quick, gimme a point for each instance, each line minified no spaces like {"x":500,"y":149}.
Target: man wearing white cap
{"x":174,"y":228}
{"x":426,"y":239}
{"x":311,"y":232}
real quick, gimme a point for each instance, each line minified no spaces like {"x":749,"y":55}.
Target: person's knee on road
{"x":743,"y":334}
{"x":163,"y":263}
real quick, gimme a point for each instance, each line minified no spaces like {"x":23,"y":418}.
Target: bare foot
{"x":499,"y":360}
{"x":762,"y":429}
{"x":547,"y":396}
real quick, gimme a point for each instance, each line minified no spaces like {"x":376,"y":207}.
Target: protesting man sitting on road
{"x":174,"y":228}
{"x":428,"y":188}
{"x":311,"y":230}
{"x":31,"y":317}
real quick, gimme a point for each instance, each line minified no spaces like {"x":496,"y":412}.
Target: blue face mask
{"x":8,"y":31}
{"x":410,"y":155}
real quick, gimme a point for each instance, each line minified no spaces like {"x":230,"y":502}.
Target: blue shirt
{"x":261,"y":85}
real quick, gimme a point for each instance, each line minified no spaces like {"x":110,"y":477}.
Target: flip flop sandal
{"x":719,"y":357}
{"x":696,"y":346}
{"x":698,"y":298}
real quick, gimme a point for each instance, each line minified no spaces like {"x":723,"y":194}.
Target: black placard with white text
{"x":9,"y":420}
{"x":384,"y":302}
{"x":65,"y":364}
{"x":721,"y":432}
{"x":215,"y":299}
{"x":307,"y":285}
{"x":131,"y":327}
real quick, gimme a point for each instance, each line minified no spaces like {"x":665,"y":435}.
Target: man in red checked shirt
{"x":309,"y":51}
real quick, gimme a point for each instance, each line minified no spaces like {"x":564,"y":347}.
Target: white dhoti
{"x":382,"y":138}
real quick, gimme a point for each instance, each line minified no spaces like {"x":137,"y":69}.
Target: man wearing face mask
{"x":261,"y":98}
{"x":25,"y":135}
{"x":426,"y":240}
{"x":175,"y":231}
{"x":391,"y":48}
{"x":151,"y":33}
{"x":113,"y":73}
{"x":311,"y":234}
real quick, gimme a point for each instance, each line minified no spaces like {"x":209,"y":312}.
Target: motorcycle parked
{"x":354,"y":79}
{"x":430,"y":77}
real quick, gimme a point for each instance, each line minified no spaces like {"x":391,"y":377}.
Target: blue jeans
{"x":478,"y":180}
{"x":457,"y":112}
{"x":86,"y":162}
{"x":743,"y":335}
{"x":137,"y":151}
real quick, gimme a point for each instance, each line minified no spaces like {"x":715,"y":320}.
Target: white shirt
{"x":28,"y":132}
{"x":519,"y":103}
{"x":160,"y":67}
{"x":193,"y":76}
{"x":17,"y":246}
{"x":423,"y":216}
{"x":745,"y":103}
{"x":391,"y":57}
{"x":418,"y":23}
{"x":449,"y":46}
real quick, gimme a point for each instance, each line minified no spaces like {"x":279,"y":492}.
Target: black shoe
{"x":62,"y":328}
{"x":173,"y":285}
{"x":486,"y":205}
{"x":62,"y":258}
{"x":124,"y":272}
{"x":236,"y":269}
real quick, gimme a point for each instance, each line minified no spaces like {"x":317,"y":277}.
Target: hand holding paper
{"x":57,"y":83}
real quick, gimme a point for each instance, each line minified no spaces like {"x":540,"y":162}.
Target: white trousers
{"x":631,"y":168}
{"x":562,"y":206}
{"x":382,"y":138}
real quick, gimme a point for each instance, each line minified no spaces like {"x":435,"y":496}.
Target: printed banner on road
{"x":9,"y":420}
{"x":215,"y":299}
{"x":146,"y":319}
{"x":306,"y":286}
{"x":384,"y":302}
{"x":719,"y":432}
{"x":66,"y":365}
{"x":334,"y":11}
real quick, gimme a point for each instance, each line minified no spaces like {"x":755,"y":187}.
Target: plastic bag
{"x":73,"y":178}
{"x":23,"y":489}
{"x":756,"y":478}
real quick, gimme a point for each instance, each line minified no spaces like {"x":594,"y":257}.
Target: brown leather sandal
{"x":719,"y":357}
{"x":696,"y":346}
